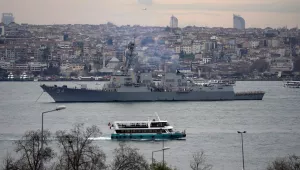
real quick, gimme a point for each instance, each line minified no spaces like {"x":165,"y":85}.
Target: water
{"x":272,"y":125}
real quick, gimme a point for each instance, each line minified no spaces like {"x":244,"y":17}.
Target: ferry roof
{"x":142,"y":128}
{"x":140,"y":121}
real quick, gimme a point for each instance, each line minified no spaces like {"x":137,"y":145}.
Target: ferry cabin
{"x":156,"y":127}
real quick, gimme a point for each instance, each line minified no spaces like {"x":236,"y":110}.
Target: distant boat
{"x":10,"y":76}
{"x":292,"y":84}
{"x":144,"y":130}
{"x":23,"y":76}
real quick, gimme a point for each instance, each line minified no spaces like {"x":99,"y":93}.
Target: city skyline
{"x":270,"y":13}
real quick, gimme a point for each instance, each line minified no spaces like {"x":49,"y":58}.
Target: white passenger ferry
{"x":144,"y":130}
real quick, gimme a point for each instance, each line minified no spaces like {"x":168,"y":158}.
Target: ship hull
{"x":62,"y":94}
{"x":172,"y":136}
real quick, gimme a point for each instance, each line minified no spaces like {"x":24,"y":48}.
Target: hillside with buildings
{"x":89,"y":50}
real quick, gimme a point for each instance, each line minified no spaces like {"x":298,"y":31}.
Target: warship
{"x":129,"y":85}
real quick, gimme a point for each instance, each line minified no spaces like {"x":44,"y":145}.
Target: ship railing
{"x":249,"y":93}
{"x":184,"y":90}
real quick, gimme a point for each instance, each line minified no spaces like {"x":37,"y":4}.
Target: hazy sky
{"x":257,"y":13}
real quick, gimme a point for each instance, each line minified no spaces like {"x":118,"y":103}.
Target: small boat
{"x":24,"y":76}
{"x":292,"y":84}
{"x":144,"y":130}
{"x":10,"y":76}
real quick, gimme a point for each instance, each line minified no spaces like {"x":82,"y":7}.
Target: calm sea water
{"x":272,"y":125}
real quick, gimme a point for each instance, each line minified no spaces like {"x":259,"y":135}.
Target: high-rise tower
{"x":238,"y":22}
{"x":7,"y":18}
{"x":173,"y":22}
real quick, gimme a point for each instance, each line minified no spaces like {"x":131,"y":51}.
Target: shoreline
{"x":107,"y":79}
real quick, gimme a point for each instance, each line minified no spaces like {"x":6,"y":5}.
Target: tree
{"x":89,"y":68}
{"x":147,"y":40}
{"x":3,"y":73}
{"x":297,"y":65}
{"x":78,"y":151}
{"x":51,"y":70}
{"x":184,"y":55}
{"x":199,"y":162}
{"x":260,"y":65}
{"x":9,"y":163}
{"x":167,"y":29}
{"x":29,"y":149}
{"x":127,"y":158}
{"x":73,"y":74}
{"x":160,"y":166}
{"x":45,"y":54}
{"x":181,"y":54}
{"x":288,"y":163}
{"x":97,"y":65}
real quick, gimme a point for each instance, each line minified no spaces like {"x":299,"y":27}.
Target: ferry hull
{"x":62,"y":94}
{"x":168,"y":136}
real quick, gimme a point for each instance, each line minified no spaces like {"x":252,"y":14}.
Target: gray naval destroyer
{"x":131,"y":86}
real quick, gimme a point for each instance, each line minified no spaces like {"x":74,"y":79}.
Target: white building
{"x":187,"y":49}
{"x":197,"y":48}
{"x":177,"y":49}
{"x":206,"y":60}
{"x":254,"y":44}
{"x":113,"y":63}
{"x":64,"y":45}
{"x":37,"y":66}
{"x":7,"y":18}
{"x":173,"y":22}
{"x":281,"y":64}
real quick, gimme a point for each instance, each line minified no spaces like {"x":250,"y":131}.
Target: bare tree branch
{"x":291,"y":162}
{"x":199,"y":162}
{"x":127,"y":158}
{"x":9,"y":163}
{"x":78,"y":152}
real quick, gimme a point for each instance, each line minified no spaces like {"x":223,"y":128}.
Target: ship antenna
{"x":157,"y":116}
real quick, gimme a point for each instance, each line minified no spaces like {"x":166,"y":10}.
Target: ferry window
{"x":170,"y":130}
{"x":165,"y":124}
{"x":153,"y":124}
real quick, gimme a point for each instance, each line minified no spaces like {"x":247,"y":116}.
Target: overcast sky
{"x":257,"y":13}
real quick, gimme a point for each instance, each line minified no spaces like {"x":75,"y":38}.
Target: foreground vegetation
{"x":78,"y":152}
